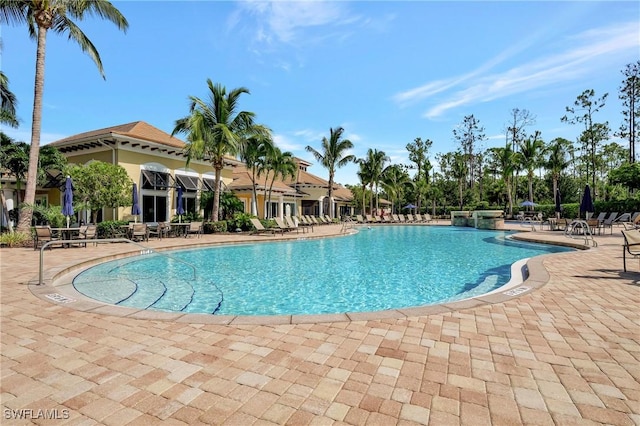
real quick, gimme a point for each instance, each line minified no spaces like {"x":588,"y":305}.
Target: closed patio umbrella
{"x":135,"y":207}
{"x":67,"y":206}
{"x":586,"y":205}
{"x":179,"y":207}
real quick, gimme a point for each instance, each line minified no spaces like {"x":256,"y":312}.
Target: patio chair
{"x":259,"y":227}
{"x":633,"y":224}
{"x":292,"y":225}
{"x":140,"y":232}
{"x":302,"y":221}
{"x":160,"y":230}
{"x":427,"y":218}
{"x":194,"y":228}
{"x":395,"y":218}
{"x":87,"y":232}
{"x":631,"y":246}
{"x":42,"y":235}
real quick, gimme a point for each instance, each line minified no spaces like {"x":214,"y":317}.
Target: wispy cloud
{"x":288,"y":21}
{"x":583,"y":54}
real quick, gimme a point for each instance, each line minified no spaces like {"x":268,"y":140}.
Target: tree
{"x":373,"y":164}
{"x":99,"y":185}
{"x":280,"y":164}
{"x":40,"y":16}
{"x":627,"y":175}
{"x":459,"y":171}
{"x":594,"y":133}
{"x":418,"y":154}
{"x":630,"y":96}
{"x":395,"y":180}
{"x":254,"y":152}
{"x":8,"y":103}
{"x":215,"y":129}
{"x":557,"y":159}
{"x":515,"y":131}
{"x":530,"y":155}
{"x":333,"y":156}
{"x":469,"y":134}
{"x":363,"y":175}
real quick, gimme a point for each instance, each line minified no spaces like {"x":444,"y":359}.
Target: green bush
{"x":187,"y":217}
{"x":241,"y":221}
{"x":215,"y":227}
{"x":49,"y":215}
{"x":111,"y":228}
{"x":15,"y":239}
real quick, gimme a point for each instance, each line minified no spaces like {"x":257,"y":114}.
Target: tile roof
{"x":136,"y":130}
{"x":242,"y":180}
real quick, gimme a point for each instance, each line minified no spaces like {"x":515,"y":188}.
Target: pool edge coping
{"x":58,"y":289}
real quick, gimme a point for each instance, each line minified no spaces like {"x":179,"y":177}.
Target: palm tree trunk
{"x":216,"y":193}
{"x":330,"y":194}
{"x":371,"y":201}
{"x":30,"y":195}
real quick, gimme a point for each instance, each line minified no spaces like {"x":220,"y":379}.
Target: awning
{"x":157,"y":180}
{"x":189,"y":183}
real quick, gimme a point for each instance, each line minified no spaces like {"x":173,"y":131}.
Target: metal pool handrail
{"x":144,"y":250}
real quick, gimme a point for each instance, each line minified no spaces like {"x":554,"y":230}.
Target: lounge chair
{"x":601,"y":217}
{"x":303,"y":222}
{"x":395,"y":218}
{"x":427,"y":218}
{"x":633,"y":224}
{"x":195,"y":228}
{"x":401,"y":218}
{"x":292,"y":225}
{"x":259,"y":227}
{"x":42,"y":235}
{"x":282,"y":225}
{"x":328,"y":219}
{"x":608,"y":222}
{"x":631,"y":245}
{"x":418,"y":217}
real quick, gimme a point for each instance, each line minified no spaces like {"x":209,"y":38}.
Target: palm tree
{"x":557,"y":159}
{"x":373,"y":163}
{"x":459,"y":172}
{"x":530,"y":152}
{"x":280,"y":164}
{"x":40,"y":16}
{"x":394,"y":182}
{"x":254,"y":152}
{"x":506,"y":160}
{"x":363,"y":175}
{"x":214,"y":129}
{"x":333,"y":156}
{"x":7,"y":103}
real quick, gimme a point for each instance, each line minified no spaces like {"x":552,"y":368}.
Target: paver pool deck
{"x":565,"y":351}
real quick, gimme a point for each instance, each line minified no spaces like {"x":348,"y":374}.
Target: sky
{"x":388,"y":72}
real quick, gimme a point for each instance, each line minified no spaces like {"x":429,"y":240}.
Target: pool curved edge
{"x":58,"y":288}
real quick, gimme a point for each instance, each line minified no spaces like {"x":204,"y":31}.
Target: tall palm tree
{"x":332,"y":156}
{"x":7,"y":103}
{"x":530,"y":154}
{"x":557,"y":159}
{"x":506,"y":160}
{"x":459,"y":172}
{"x":373,"y":163}
{"x":363,"y":175}
{"x":214,"y":129}
{"x":254,"y":152}
{"x":40,"y":16}
{"x":280,"y":164}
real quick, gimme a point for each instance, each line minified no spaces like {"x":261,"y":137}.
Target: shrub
{"x":242,"y":221}
{"x":110,"y":228}
{"x":213,"y":227}
{"x":15,"y":239}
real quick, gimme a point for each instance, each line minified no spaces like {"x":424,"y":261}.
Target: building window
{"x":154,"y":208}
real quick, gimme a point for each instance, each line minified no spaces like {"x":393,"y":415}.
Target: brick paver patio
{"x":567,"y":352}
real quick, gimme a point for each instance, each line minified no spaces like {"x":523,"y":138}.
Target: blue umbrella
{"x":67,"y":206}
{"x":409,"y":206}
{"x":135,"y":207}
{"x":179,"y":208}
{"x":587,"y":203}
{"x":528,"y":203}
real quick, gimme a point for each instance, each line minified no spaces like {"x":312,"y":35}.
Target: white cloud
{"x":583,"y":54}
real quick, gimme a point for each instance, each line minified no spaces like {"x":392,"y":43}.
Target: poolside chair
{"x":427,"y":218}
{"x":633,"y":224}
{"x":87,"y":232}
{"x":140,"y":232}
{"x":42,"y":235}
{"x":194,"y":228}
{"x":259,"y":228}
{"x":282,"y":225}
{"x":601,"y":217}
{"x":160,"y":230}
{"x":401,"y":218}
{"x":608,"y":222}
{"x":304,"y":222}
{"x":631,"y":245}
{"x":292,"y":225}
{"x":418,"y":217}
{"x":328,"y":219}
{"x":395,"y":218}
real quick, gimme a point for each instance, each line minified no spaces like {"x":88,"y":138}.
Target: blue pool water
{"x":379,"y":268}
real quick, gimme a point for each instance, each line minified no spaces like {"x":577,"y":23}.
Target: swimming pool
{"x":387,"y":267}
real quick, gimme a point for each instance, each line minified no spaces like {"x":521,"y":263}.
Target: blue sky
{"x":386,"y":71}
